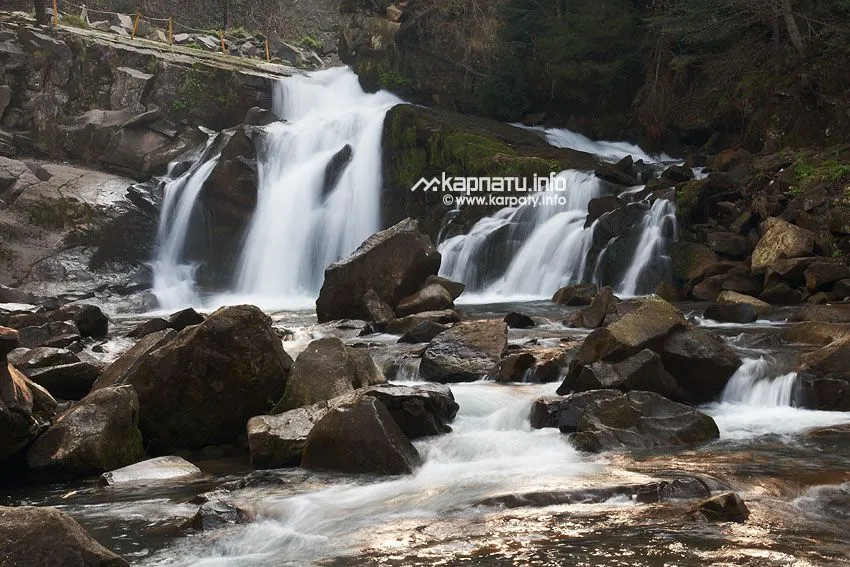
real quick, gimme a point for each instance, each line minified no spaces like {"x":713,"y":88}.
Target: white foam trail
{"x":492,"y":451}
{"x":564,"y":138}
{"x":300,"y":226}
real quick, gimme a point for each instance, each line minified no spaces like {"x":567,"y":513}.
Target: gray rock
{"x":466,"y":352}
{"x":152,"y":470}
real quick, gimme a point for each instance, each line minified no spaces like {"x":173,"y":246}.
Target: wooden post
{"x":170,"y":32}
{"x":55,"y":16}
{"x":136,"y":25}
{"x":268,"y":55}
{"x":221,"y":35}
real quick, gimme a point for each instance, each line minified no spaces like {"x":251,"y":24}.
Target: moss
{"x":311,"y":42}
{"x":687,"y":199}
{"x":810,"y":174}
{"x":74,"y":20}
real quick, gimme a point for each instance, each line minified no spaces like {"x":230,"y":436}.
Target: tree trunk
{"x":224,"y":15}
{"x":791,"y":27}
{"x":41,"y":13}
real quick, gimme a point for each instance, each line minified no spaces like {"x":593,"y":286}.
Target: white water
{"x":492,"y":451}
{"x":173,"y":277}
{"x":530,"y":252}
{"x":652,"y":246}
{"x":300,"y":226}
{"x":757,"y":401}
{"x":609,"y":151}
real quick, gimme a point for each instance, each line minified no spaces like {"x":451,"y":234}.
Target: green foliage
{"x":393,"y":81}
{"x":587,"y":52}
{"x":502,"y":94}
{"x":311,"y":42}
{"x":73,"y":20}
{"x":808,"y":176}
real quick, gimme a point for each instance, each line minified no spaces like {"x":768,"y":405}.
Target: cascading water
{"x":173,"y":275}
{"x":541,"y":246}
{"x":318,"y":197}
{"x":529,"y":252}
{"x":305,"y":219}
{"x":752,"y":385}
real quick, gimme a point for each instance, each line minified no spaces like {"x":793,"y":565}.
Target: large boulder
{"x":359,"y":438}
{"x":725,"y":507}
{"x":730,"y":313}
{"x":98,"y":434}
{"x":466,"y":352}
{"x":640,"y":420}
{"x":25,"y":411}
{"x":821,"y":276}
{"x":642,"y":371}
{"x":594,"y":315}
{"x":126,"y":364}
{"x":422,"y":410}
{"x":327,"y":369}
{"x":575,"y":295}
{"x":700,"y":362}
{"x":278,"y":440}
{"x":394,"y":262}
{"x":70,"y":381}
{"x":781,"y":240}
{"x":49,"y":538}
{"x":233,"y":360}
{"x":91,"y":322}
{"x":433,"y":297}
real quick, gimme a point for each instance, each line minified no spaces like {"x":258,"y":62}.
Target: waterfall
{"x":652,"y":249}
{"x":609,"y":151}
{"x":318,"y":198}
{"x":529,"y":252}
{"x":305,"y":219}
{"x":752,"y":385}
{"x":173,"y":275}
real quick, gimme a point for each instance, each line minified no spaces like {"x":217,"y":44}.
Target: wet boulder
{"x":404,"y":325}
{"x":91,"y":322}
{"x":179,"y":320}
{"x":21,"y":417}
{"x":640,"y":420}
{"x":454,"y":288}
{"x":730,"y":313}
{"x":157,"y":469}
{"x":735,"y":298}
{"x":432,"y":297}
{"x":394,"y":262}
{"x":514,"y":367}
{"x":700,"y":362}
{"x":464,"y":353}
{"x":593,"y":316}
{"x":564,"y":412}
{"x":831,"y":361}
{"x":127,"y":363}
{"x":379,"y":312}
{"x":278,"y":440}
{"x":599,"y":206}
{"x":97,"y":434}
{"x":422,"y":410}
{"x":726,"y":507}
{"x":360,"y":438}
{"x":691,"y":261}
{"x":516,"y":320}
{"x":423,"y":332}
{"x":71,"y":381}
{"x":150,"y":326}
{"x":817,"y":392}
{"x":644,"y":328}
{"x":327,"y":368}
{"x":575,"y":295}
{"x":781,"y":240}
{"x":233,"y":360}
{"x":781,"y":294}
{"x":642,"y":371}
{"x":49,"y":538}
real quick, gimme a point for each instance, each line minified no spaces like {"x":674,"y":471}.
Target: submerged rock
{"x":233,"y":360}
{"x":98,"y":434}
{"x":726,"y":507}
{"x":464,"y":353}
{"x":327,"y":368}
{"x":49,"y":538}
{"x":359,"y":438}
